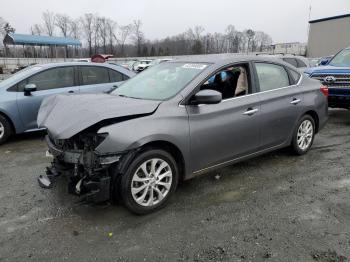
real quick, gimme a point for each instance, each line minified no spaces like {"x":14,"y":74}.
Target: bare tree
{"x":250,"y":35}
{"x":96,"y":32}
{"x":195,"y":36}
{"x":138,"y":36}
{"x":49,"y":22}
{"x":63,"y":21}
{"x":36,"y":29}
{"x":102,"y":28}
{"x":110,"y":28}
{"x":2,"y":27}
{"x":123,"y":34}
{"x":87,"y":23}
{"x":74,"y":28}
{"x":262,"y":41}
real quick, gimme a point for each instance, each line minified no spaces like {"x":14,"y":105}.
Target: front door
{"x":53,"y":81}
{"x":230,"y":129}
{"x":224,"y":131}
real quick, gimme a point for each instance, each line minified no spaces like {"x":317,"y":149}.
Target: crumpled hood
{"x":328,"y":69}
{"x":66,"y":115}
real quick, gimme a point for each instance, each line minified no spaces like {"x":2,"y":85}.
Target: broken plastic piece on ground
{"x":52,"y":172}
{"x":44,"y":181}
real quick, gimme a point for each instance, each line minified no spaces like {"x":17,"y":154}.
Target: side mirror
{"x":324,"y":62}
{"x":29,"y":88}
{"x":207,"y":96}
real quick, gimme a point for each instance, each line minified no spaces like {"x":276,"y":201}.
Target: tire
{"x":143,"y":191}
{"x":303,"y":136}
{"x":5,"y":129}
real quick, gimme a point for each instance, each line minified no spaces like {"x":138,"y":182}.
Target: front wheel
{"x":149,"y":181}
{"x":5,"y":129}
{"x":304,"y":135}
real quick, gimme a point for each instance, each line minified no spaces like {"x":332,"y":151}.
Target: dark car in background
{"x":335,"y":73}
{"x":299,"y":62}
{"x":172,"y":122}
{"x":22,"y":93}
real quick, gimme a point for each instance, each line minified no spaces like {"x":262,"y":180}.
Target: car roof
{"x":74,"y":63}
{"x":109,"y":65}
{"x":223,"y":59}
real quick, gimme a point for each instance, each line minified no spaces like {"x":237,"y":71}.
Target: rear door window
{"x":116,"y":76}
{"x":295,"y":76}
{"x":271,"y":76}
{"x":291,"y":61}
{"x":92,"y":75}
{"x":51,"y":79}
{"x":300,"y":63}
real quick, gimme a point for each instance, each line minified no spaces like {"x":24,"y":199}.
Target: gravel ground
{"x":277,"y":207}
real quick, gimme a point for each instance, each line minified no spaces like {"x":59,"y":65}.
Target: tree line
{"x":100,"y":34}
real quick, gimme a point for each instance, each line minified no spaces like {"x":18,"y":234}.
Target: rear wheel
{"x":149,"y":181}
{"x":303,"y":135}
{"x":5,"y":129}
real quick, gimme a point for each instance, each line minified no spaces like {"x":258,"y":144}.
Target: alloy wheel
{"x":305,"y":134}
{"x":151,"y":182}
{"x":2,"y":130}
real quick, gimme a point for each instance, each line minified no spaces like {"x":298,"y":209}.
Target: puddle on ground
{"x":313,"y":214}
{"x":230,"y":196}
{"x":343,"y":183}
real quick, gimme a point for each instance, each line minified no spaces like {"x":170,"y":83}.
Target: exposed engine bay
{"x":87,"y":171}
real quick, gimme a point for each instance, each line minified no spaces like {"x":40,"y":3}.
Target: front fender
{"x":132,"y":134}
{"x":10,"y":110}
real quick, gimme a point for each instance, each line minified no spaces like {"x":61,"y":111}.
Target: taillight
{"x":324,"y":90}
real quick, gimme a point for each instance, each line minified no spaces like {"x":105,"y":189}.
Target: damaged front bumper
{"x":88,"y":172}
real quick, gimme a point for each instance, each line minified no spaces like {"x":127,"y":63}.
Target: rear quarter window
{"x":300,"y":63}
{"x":116,"y":76}
{"x":295,"y":77}
{"x":291,"y":61}
{"x":92,"y":75}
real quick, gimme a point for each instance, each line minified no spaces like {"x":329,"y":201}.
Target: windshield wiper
{"x":129,"y":96}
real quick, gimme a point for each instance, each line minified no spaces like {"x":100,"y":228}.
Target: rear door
{"x":281,"y":100}
{"x":59,"y":80}
{"x":98,"y":79}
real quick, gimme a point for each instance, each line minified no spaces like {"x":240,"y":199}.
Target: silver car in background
{"x":22,"y":93}
{"x":177,"y":120}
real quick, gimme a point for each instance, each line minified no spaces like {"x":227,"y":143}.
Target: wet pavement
{"x":277,"y":207}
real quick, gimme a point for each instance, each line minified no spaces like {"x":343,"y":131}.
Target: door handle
{"x":71,"y":91}
{"x":250,"y":111}
{"x":295,"y":101}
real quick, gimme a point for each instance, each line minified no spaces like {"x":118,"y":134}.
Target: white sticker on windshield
{"x":194,"y":66}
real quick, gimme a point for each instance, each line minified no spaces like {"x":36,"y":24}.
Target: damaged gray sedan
{"x":177,"y":120}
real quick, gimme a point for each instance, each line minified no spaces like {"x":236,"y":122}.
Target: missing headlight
{"x":109,"y":159}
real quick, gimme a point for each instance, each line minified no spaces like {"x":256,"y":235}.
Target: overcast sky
{"x":283,"y":20}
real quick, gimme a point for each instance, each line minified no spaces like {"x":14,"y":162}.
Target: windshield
{"x":160,"y":82}
{"x":341,"y":59}
{"x":19,"y":75}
